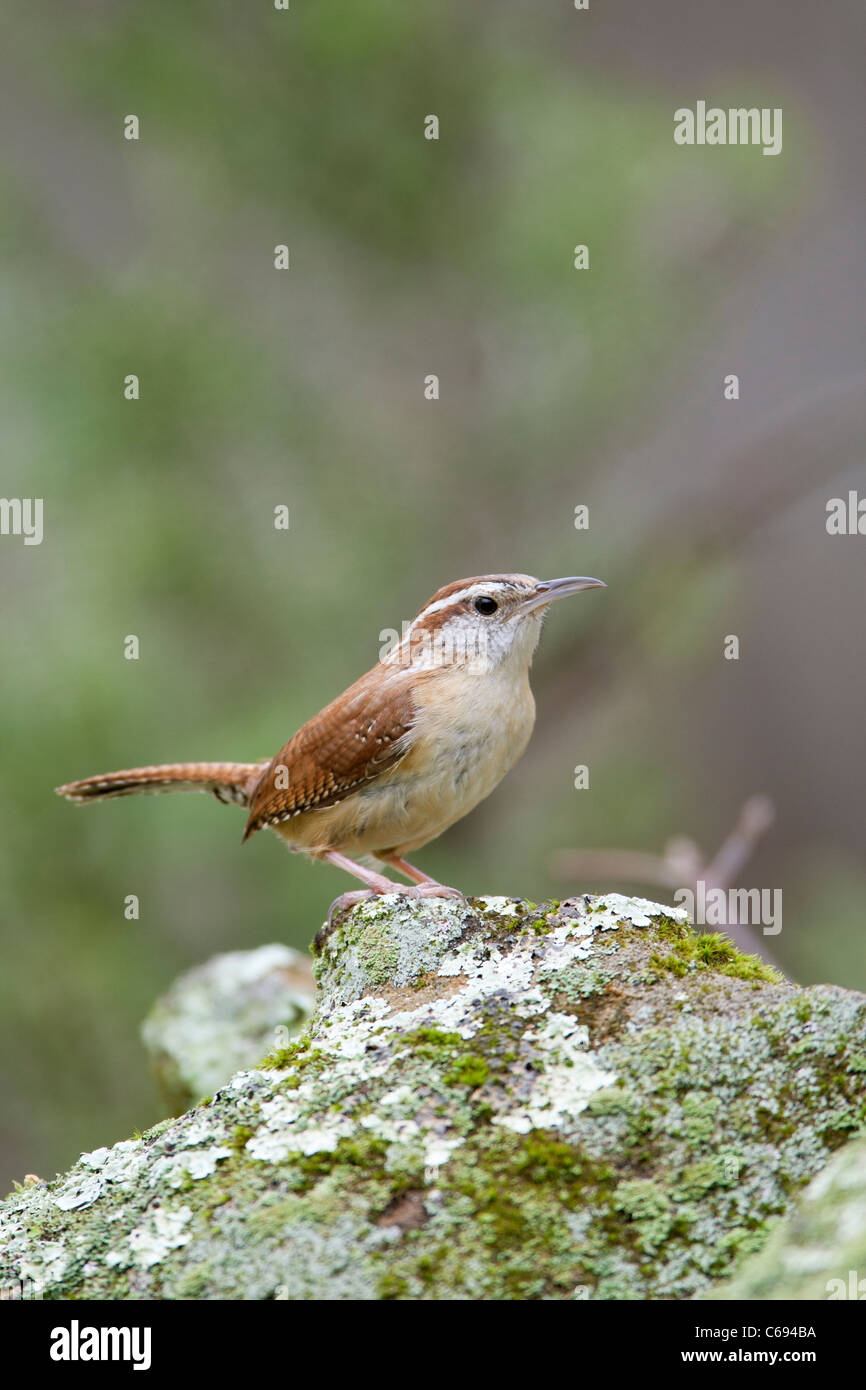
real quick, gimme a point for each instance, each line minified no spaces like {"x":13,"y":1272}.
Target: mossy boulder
{"x":492,"y":1101}
{"x":819,"y":1250}
{"x":221,"y":1016}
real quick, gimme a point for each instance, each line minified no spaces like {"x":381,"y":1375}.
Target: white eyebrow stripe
{"x":406,"y":640}
{"x":446,"y":602}
{"x":471,"y":592}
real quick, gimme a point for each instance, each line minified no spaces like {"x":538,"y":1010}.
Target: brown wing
{"x":352,"y":741}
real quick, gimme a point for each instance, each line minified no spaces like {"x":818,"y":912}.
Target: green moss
{"x":282,"y":1058}
{"x":362,"y":1155}
{"x":241,"y":1136}
{"x":431,"y":1042}
{"x":469,"y":1069}
{"x":490,"y":1051}
{"x":540,"y":926}
{"x":542,"y":1159}
{"x":693,"y":952}
{"x":391,"y":1286}
{"x":668,"y":928}
{"x":651,"y":1190}
{"x":427,"y":1266}
{"x":297,"y":1058}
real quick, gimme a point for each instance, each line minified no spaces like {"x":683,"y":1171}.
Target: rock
{"x":819,"y":1251}
{"x":579,"y":1100}
{"x":223,"y":1016}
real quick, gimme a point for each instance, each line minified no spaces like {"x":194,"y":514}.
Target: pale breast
{"x":462,"y":747}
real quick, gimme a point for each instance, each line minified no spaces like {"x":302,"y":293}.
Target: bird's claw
{"x":341,"y":904}
{"x":433,"y":890}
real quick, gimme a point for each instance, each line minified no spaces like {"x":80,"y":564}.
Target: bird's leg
{"x":427,"y":887}
{"x":403,"y":867}
{"x":376,"y":883}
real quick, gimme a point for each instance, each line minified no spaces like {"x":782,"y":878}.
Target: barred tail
{"x":226,"y":781}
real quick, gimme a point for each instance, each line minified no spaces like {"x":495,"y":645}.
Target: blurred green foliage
{"x":304,"y":388}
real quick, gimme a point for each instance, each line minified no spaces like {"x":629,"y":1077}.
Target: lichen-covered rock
{"x":222,"y":1016}
{"x":585,"y":1099}
{"x":819,"y":1251}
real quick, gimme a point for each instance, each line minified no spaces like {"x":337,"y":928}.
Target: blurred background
{"x":559,"y":388}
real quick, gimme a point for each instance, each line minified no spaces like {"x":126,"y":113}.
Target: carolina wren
{"x":402,"y":754}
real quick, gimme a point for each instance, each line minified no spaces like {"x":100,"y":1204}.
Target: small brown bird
{"x":401,"y":755}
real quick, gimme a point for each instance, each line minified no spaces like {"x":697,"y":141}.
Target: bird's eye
{"x":485,"y":605}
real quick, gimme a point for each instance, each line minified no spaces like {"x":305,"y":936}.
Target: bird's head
{"x":484,"y":622}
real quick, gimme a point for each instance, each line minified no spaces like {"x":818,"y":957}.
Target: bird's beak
{"x":546,"y":590}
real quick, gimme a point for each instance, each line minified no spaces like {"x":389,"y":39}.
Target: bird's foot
{"x":349,"y":900}
{"x":341,"y":904}
{"x":433,"y":890}
{"x":346,"y":901}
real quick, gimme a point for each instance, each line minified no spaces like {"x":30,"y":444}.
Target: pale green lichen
{"x":221,"y":1016}
{"x":492,"y":1101}
{"x":819,"y":1250}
